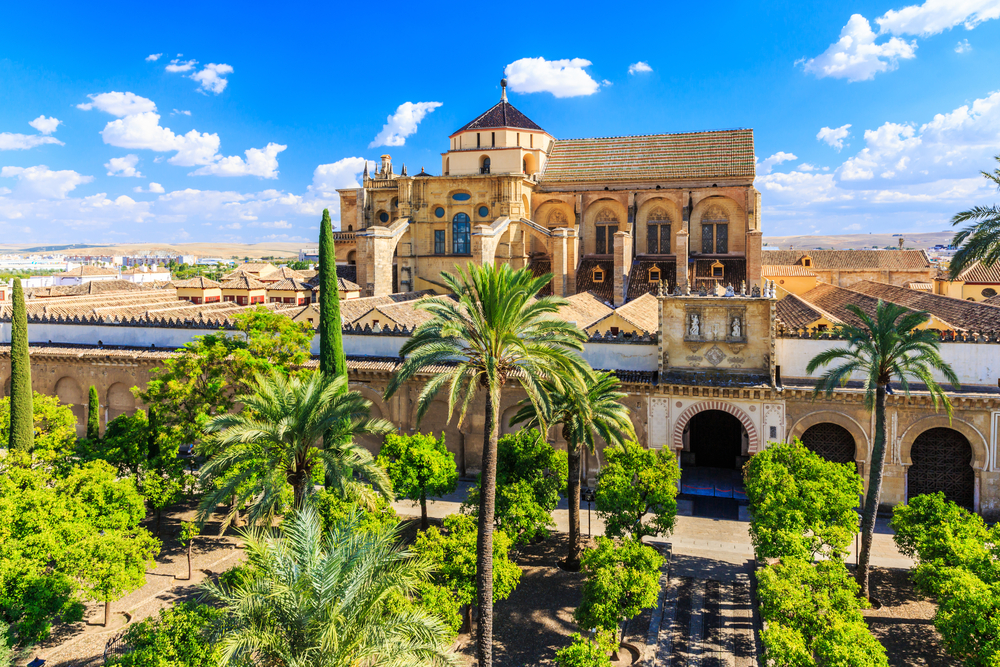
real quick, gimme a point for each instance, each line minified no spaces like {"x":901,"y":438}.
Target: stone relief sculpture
{"x":737,"y":329}
{"x":695,"y":329}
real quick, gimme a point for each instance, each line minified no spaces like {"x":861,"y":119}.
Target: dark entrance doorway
{"x":711,"y":469}
{"x":942,"y":461}
{"x":831,"y":441}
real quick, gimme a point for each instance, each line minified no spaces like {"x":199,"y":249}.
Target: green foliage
{"x":635,"y":482}
{"x":180,"y":636}
{"x":54,"y":432}
{"x":978,"y":241}
{"x":93,"y":414}
{"x":530,"y":476}
{"x":419,"y":466}
{"x":271,"y":443}
{"x":814,"y":617}
{"x":270,"y":340}
{"x":114,"y":564}
{"x":21,"y":432}
{"x":453,"y":554}
{"x":124,"y":444}
{"x":53,"y":530}
{"x":310,"y":587}
{"x":332,"y":360}
{"x":801,"y":504}
{"x":585,"y":652}
{"x":334,"y":510}
{"x":622,"y":580}
{"x":968,"y":617}
{"x":189,"y":530}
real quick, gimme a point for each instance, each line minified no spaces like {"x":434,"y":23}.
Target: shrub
{"x":585,"y":652}
{"x":633,"y":483}
{"x":180,"y":636}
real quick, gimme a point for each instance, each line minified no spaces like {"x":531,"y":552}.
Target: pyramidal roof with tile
{"x":653,"y":157}
{"x":290,"y":285}
{"x":980,"y":273}
{"x":244,"y":282}
{"x":198,"y":282}
{"x":501,"y":114}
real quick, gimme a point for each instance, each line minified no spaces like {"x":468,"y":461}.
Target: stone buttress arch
{"x":692,"y":410}
{"x":862,"y":445}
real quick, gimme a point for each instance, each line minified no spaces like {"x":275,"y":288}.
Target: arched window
{"x":524,"y":166}
{"x":485,"y":168}
{"x":989,"y":292}
{"x":715,"y":231}
{"x":460,"y":244}
{"x":658,"y":232}
{"x":607,"y":226}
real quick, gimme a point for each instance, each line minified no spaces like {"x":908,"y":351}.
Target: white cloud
{"x":153,"y":57}
{"x":234,"y":225}
{"x":963,"y":46}
{"x":856,"y":56}
{"x":403,"y":123}
{"x":143,"y":131}
{"x":153,"y":188}
{"x":853,"y":228}
{"x":328,"y":178}
{"x":40,"y":182}
{"x":277,"y":224}
{"x":936,"y":16}
{"x":178,"y":112}
{"x":177,"y":65}
{"x":212,"y":77}
{"x":768,"y":164}
{"x":123,"y":166}
{"x":118,"y":104}
{"x":834,"y":136}
{"x":10,"y":141}
{"x":562,"y":78}
{"x":639,"y":67}
{"x":45,"y":125}
{"x":259,"y":162}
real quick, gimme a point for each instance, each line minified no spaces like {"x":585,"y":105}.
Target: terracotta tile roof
{"x":246,"y":282}
{"x":285,"y":272}
{"x":140,"y":270}
{"x":834,"y":300}
{"x":539,"y":265}
{"x":345,"y":285}
{"x":260,"y":268}
{"x":734,"y":272}
{"x":993,"y":300}
{"x":89,"y":287}
{"x":585,"y":278}
{"x":501,"y":114}
{"x":87,"y":270}
{"x":785,"y":271}
{"x":290,"y":285}
{"x":585,"y":308}
{"x":921,"y":287}
{"x":977,"y":273}
{"x":354,"y":309}
{"x":654,"y":157}
{"x":643,"y":312}
{"x":403,"y":314}
{"x":198,"y":282}
{"x":796,"y":313}
{"x":638,"y":277}
{"x":851,"y":260}
{"x":963,"y":315}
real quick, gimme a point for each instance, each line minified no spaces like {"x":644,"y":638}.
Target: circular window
{"x":484,"y":212}
{"x":383,"y":216}
{"x":989,"y":292}
{"x":439,"y":212}
{"x":461,"y":196}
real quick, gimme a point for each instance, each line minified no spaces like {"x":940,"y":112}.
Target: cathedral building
{"x":616,"y":216}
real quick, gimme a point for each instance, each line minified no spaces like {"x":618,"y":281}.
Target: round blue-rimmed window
{"x":439,"y":212}
{"x":461,"y":196}
{"x":383,"y":216}
{"x":484,"y":212}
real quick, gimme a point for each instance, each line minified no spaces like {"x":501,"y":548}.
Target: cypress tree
{"x":22,"y":418}
{"x":332,"y":360}
{"x":93,"y":415}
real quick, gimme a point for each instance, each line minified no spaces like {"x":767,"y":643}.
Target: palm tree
{"x":882,"y":349}
{"x":592,"y":409}
{"x":275,"y":440}
{"x":496,"y":332}
{"x":979,"y":242}
{"x":314,"y":600}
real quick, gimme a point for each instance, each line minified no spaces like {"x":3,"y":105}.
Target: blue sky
{"x":237,"y":122}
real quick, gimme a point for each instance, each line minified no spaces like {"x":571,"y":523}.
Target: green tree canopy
{"x":124,"y":445}
{"x":333,"y":510}
{"x":530,"y":476}
{"x":801,"y":504}
{"x":54,"y":433}
{"x":93,"y":414}
{"x":179,"y":636}
{"x":419,"y":466}
{"x":318,"y":599}
{"x":637,"y":491}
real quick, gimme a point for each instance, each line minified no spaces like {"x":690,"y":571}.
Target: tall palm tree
{"x":882,"y":349}
{"x":314,"y":600}
{"x":590,"y":409}
{"x":980,"y":241}
{"x":276,"y":440}
{"x":497,"y":332}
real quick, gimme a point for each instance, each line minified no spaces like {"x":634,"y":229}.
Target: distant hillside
{"x":855,"y":241}
{"x":224,"y":250}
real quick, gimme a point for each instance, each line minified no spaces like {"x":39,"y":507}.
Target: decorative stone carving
{"x":715,"y":356}
{"x":755,"y":292}
{"x":694,"y":326}
{"x":736,"y":329}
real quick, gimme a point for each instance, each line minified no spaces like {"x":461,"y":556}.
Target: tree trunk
{"x":573,"y":557}
{"x":423,"y":510}
{"x":159,"y":515}
{"x":299,"y":483}
{"x":484,"y":541}
{"x":468,"y":619}
{"x":107,"y":612}
{"x":189,"y":558}
{"x":875,"y":471}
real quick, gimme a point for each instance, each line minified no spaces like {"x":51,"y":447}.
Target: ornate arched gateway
{"x":714,"y":439}
{"x":831,"y":441}
{"x":942,"y":461}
